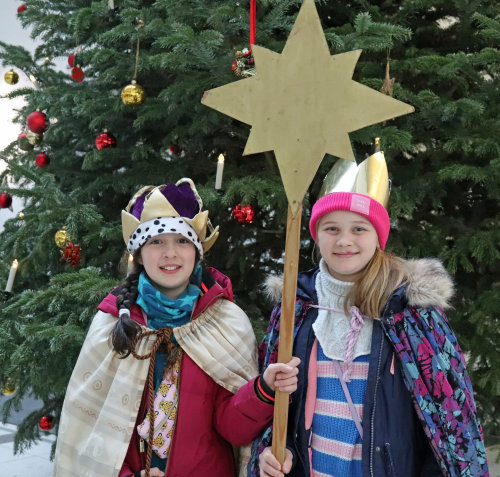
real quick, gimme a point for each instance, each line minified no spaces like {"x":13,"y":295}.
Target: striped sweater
{"x":336,"y":443}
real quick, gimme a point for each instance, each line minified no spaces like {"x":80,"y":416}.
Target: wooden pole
{"x":287,"y":321}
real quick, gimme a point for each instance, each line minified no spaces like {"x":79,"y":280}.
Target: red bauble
{"x":244,"y":214}
{"x":5,"y":200}
{"x":72,"y":255}
{"x":175,"y":149}
{"x":71,"y":60}
{"x":21,"y":8}
{"x":77,"y":74}
{"x":42,"y":160}
{"x":38,"y":122}
{"x":104,"y":140}
{"x":46,"y":423}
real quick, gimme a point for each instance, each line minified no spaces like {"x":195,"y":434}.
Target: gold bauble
{"x":133,"y":94}
{"x":62,"y":238}
{"x":11,"y":77}
{"x":34,"y":138}
{"x":8,"y":388}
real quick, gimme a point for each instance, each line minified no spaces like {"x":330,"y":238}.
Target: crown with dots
{"x":169,"y":200}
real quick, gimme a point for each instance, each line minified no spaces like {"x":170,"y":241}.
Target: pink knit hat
{"x":353,"y":202}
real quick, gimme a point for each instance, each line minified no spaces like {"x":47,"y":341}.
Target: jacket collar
{"x":428,"y":284}
{"x":215,"y":285}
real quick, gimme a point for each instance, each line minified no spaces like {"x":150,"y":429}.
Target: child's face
{"x":347,"y":242}
{"x":169,"y":260}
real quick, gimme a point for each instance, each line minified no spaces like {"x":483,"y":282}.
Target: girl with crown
{"x":383,"y":390}
{"x":167,"y":381}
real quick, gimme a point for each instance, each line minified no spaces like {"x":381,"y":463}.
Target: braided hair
{"x":126,"y":329}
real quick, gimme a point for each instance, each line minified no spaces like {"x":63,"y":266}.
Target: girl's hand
{"x":270,"y":466}
{"x":154,"y":472}
{"x":282,"y":376}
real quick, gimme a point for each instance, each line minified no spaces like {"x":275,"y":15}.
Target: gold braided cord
{"x":163,"y":336}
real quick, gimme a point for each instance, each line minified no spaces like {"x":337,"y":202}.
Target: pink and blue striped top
{"x":336,"y":443}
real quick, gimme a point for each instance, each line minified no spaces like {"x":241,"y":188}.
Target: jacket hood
{"x":214,"y":285}
{"x":428,"y":284}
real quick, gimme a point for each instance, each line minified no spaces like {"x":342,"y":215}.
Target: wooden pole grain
{"x":287,"y":321}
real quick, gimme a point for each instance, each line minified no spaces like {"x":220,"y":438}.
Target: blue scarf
{"x":163,"y":311}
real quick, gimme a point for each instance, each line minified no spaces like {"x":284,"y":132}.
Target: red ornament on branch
{"x":77,"y":74}
{"x":46,"y":423}
{"x":21,"y":8}
{"x":72,"y":255}
{"x":38,"y":122}
{"x":71,"y":60}
{"x":42,"y":160}
{"x":5,"y":200}
{"x":244,"y":214}
{"x":105,"y":140}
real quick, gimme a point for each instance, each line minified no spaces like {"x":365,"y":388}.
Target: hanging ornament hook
{"x":140,"y":24}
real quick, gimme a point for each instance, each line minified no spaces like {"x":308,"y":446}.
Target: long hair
{"x":126,"y":329}
{"x":383,"y":274}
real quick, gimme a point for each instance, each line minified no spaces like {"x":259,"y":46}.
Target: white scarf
{"x":332,"y":327}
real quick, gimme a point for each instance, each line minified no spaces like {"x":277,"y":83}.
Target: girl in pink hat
{"x":167,"y":382}
{"x":383,"y":390}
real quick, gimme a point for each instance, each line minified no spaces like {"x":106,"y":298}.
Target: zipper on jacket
{"x":372,"y":422}
{"x":141,"y":445}
{"x":387,"y":448}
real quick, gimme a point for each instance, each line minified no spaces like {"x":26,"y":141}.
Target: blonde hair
{"x":383,"y":274}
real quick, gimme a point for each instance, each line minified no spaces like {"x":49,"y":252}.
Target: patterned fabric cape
{"x":104,"y":392}
{"x":435,"y":374}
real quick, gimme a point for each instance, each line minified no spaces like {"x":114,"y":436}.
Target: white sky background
{"x":11,"y":32}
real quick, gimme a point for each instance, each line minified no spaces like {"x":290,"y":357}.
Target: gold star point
{"x":303,"y":103}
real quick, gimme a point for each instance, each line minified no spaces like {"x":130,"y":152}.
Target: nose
{"x":169,"y":250}
{"x":343,"y":239}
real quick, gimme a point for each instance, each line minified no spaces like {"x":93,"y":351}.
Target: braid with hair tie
{"x":126,"y":329}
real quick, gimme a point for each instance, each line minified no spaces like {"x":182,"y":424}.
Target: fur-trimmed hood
{"x":429,"y":284}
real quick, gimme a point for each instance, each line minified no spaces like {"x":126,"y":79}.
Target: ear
{"x":138,"y":259}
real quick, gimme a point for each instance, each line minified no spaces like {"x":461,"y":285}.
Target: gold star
{"x":303,"y":103}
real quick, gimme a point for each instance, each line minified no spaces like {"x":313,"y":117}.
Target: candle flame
{"x":220,"y":159}
{"x":15,"y":263}
{"x":130,"y":258}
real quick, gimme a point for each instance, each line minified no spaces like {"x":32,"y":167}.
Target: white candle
{"x":111,"y":4}
{"x":130,"y":264}
{"x":12,"y":274}
{"x":220,"y":168}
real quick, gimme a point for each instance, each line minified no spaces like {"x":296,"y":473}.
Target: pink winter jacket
{"x":210,"y":419}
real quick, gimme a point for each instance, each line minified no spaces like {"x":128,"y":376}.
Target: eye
{"x":183,"y":240}
{"x":154,"y":241}
{"x":359,"y":229}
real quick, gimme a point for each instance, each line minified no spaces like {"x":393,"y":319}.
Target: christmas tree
{"x":443,"y":161}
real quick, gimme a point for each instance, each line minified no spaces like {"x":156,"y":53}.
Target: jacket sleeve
{"x":240,"y":417}
{"x":435,"y":374}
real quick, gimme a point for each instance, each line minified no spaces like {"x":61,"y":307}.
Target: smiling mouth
{"x":171,"y":268}
{"x":349,"y":254}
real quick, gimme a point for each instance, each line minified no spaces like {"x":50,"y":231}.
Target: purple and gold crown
{"x":169,"y":200}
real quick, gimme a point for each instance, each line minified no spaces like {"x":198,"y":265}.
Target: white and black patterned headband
{"x":163,"y":225}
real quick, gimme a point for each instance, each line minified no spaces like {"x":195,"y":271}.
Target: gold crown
{"x":369,"y":178}
{"x":157,"y":205}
